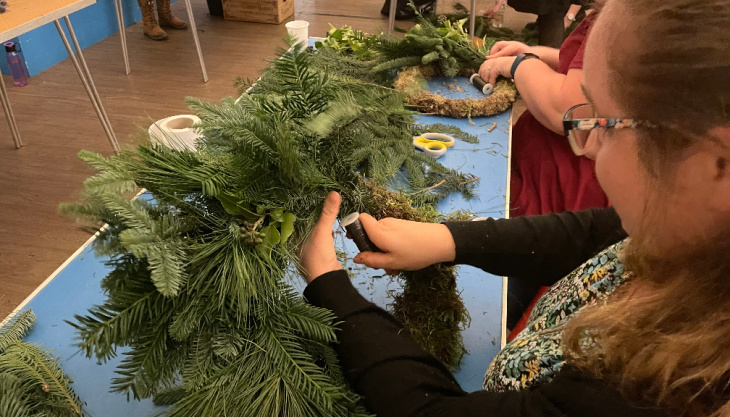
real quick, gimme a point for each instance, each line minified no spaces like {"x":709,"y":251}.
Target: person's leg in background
{"x":405,"y":12}
{"x":151,"y":28}
{"x":551,"y":29}
{"x":166,"y":18}
{"x":152,"y":25}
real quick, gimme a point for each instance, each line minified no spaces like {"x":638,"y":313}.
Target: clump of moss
{"x":430,"y":306}
{"x":386,"y":203}
{"x":431,"y":309}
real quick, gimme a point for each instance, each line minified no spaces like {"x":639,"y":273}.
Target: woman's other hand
{"x":318,"y":255}
{"x":494,"y":10}
{"x":406,"y":245}
{"x":508,"y":48}
{"x":493,"y":68}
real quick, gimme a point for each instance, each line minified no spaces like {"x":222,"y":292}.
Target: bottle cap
{"x":10,"y":47}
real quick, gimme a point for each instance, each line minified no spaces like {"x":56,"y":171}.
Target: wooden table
{"x":25,"y":15}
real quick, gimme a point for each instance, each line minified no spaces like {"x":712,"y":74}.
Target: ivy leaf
{"x":233,"y":207}
{"x":287,"y":226}
{"x":277,"y":215}
{"x":230,"y":204}
{"x":271,"y":238}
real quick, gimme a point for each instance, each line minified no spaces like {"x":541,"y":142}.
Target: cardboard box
{"x":261,"y":11}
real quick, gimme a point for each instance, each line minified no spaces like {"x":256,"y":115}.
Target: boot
{"x":151,"y":28}
{"x":167,"y":20}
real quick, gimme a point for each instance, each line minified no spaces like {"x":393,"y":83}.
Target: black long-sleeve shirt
{"x":398,"y":378}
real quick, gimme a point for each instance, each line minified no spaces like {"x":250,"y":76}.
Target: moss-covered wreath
{"x":412,"y":83}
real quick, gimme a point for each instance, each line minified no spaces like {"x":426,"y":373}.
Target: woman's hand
{"x":508,"y":48}
{"x":406,"y":245}
{"x":318,"y":255}
{"x":493,"y":68}
{"x":494,"y":10}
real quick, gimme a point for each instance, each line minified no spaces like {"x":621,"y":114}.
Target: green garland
{"x":31,"y":382}
{"x":199,"y":288}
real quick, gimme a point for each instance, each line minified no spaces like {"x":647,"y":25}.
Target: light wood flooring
{"x":56,"y":119}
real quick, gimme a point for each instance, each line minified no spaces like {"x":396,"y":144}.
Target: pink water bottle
{"x":15,"y":62}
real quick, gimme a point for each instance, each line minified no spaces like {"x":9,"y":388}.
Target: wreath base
{"x":411,"y":81}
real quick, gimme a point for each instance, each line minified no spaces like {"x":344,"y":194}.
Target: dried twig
{"x":429,"y":188}
{"x":471,"y":180}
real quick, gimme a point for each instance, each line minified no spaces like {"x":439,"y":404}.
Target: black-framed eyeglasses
{"x":580,"y":120}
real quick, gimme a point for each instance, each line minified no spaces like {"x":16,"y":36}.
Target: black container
{"x":215,"y":7}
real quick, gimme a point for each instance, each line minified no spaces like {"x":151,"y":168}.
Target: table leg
{"x":122,"y":34}
{"x":86,"y":80}
{"x":87,"y":73}
{"x":197,"y":41}
{"x":391,"y":16}
{"x":472,"y":17}
{"x":9,"y":114}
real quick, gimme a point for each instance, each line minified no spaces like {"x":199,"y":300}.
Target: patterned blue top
{"x":536,"y":354}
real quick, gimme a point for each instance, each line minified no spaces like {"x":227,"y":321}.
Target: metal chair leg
{"x":197,"y":41}
{"x":86,"y":81}
{"x":472,"y":17}
{"x":122,"y":34}
{"x":391,"y":16}
{"x":9,"y":115}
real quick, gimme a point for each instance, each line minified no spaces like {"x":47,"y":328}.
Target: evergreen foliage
{"x":31,"y":382}
{"x":448,"y":48}
{"x":198,"y":289}
{"x":483,"y":27}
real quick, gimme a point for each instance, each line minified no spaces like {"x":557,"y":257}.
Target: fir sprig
{"x":31,"y":381}
{"x":448,"y":47}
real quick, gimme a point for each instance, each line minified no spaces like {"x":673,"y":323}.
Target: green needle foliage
{"x":31,"y":382}
{"x":447,"y":47}
{"x":483,"y":27}
{"x":198,"y":288}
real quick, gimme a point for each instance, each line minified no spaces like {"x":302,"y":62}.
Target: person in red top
{"x":547,"y":176}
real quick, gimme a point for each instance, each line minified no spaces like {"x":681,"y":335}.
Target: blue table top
{"x":76,"y":287}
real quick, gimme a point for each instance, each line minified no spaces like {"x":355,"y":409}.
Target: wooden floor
{"x":56,"y":119}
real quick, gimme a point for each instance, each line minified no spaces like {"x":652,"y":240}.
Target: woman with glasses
{"x":637,"y":321}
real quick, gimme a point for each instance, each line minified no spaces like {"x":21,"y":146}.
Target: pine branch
{"x":46,"y":387}
{"x":12,"y":403}
{"x":16,"y":329}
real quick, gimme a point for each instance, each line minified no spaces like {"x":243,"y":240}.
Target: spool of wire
{"x":482,"y":85}
{"x":356,"y":232}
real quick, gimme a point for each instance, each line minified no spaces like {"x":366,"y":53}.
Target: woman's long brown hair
{"x":664,"y":338}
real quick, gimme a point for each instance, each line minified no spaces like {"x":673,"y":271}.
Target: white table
{"x":25,"y":15}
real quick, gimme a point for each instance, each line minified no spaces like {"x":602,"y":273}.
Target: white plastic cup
{"x":299,"y":29}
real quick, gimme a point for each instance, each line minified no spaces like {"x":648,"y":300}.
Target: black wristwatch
{"x":518,"y":60}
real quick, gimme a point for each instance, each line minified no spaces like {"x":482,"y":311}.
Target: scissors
{"x":434,"y":144}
